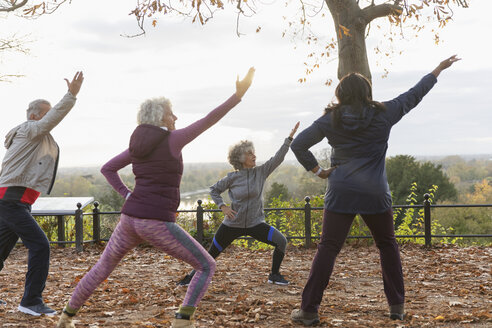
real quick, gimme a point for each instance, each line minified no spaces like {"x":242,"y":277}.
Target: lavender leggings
{"x":166,"y":236}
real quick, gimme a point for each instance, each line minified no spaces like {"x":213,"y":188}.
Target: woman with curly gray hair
{"x":245,"y":216}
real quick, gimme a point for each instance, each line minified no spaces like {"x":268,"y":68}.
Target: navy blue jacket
{"x":359,"y":183}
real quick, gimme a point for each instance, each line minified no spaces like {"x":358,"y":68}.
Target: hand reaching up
{"x":74,"y":86}
{"x":243,"y":85}
{"x":446,"y":63}
{"x":294,"y":130}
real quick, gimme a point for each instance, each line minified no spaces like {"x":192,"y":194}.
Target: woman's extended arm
{"x":401,"y":105}
{"x":110,"y":172}
{"x":269,"y":166}
{"x":181,"y":137}
{"x":446,"y":63}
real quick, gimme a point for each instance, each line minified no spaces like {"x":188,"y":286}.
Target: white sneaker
{"x":37,"y":310}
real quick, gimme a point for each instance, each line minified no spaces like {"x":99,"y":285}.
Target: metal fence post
{"x":427,"y":221}
{"x":61,"y":229}
{"x":96,"y":223}
{"x":307,"y":222}
{"x":199,"y":222}
{"x":79,"y":229}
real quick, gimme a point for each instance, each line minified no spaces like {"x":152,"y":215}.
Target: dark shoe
{"x":277,"y":279}
{"x":2,"y":302}
{"x":37,"y":310}
{"x":186,"y":280}
{"x":397,"y":312}
{"x":306,"y":318}
{"x":397,"y":316}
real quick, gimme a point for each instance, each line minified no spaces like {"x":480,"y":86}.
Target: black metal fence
{"x":307,"y":209}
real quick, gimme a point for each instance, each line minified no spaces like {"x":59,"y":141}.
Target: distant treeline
{"x":454,"y":175}
{"x":451,"y":179}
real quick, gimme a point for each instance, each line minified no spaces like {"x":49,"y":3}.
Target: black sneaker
{"x":397,"y":312}
{"x":397,"y":316}
{"x":2,"y":302}
{"x":37,"y":310}
{"x":277,"y":279}
{"x":186,"y":280}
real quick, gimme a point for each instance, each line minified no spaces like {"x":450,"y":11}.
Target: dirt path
{"x":446,"y":287}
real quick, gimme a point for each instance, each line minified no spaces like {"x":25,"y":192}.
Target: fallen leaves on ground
{"x":446,"y":286}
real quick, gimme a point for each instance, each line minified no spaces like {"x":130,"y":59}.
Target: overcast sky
{"x":196,"y":68}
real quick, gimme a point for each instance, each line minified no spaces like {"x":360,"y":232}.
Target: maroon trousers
{"x":335,"y":229}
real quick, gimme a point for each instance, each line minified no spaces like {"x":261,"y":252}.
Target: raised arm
{"x":110,"y":172}
{"x":401,"y":105}
{"x":269,"y":166}
{"x":181,"y":137}
{"x":60,"y":110}
{"x":446,"y":63}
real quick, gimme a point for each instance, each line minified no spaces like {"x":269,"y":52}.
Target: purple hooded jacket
{"x":157,"y":174}
{"x":155,"y":154}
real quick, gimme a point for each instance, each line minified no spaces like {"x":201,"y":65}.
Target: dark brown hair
{"x":354,"y":90}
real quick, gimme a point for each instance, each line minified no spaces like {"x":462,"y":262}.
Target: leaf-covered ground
{"x":445,"y":286}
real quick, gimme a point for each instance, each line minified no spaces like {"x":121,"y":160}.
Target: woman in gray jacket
{"x":245,"y":216}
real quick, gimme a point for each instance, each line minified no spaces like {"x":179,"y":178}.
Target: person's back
{"x":358,"y":130}
{"x":359,"y":136}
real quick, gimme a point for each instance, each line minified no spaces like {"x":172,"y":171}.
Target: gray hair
{"x":35,"y":107}
{"x":152,"y":110}
{"x":237,"y":153}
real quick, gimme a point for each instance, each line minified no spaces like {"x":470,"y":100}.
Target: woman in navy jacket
{"x":357,"y":129}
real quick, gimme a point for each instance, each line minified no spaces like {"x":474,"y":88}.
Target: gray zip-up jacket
{"x":31,"y":159}
{"x":246,"y":190}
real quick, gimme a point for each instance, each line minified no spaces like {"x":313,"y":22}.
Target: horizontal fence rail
{"x":307,"y":209}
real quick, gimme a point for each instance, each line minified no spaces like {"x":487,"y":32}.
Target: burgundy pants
{"x":335,"y":229}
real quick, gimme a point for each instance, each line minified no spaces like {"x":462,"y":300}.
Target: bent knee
{"x":282,"y":244}
{"x":280,"y":241}
{"x":207,"y":266}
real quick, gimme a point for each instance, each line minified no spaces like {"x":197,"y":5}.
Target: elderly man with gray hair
{"x":29,"y":168}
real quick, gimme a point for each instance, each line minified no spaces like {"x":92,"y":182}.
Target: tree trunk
{"x":350,"y":24}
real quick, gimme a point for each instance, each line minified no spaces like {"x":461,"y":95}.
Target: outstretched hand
{"x":74,"y":86}
{"x":446,"y":63}
{"x":243,"y":85}
{"x":294,"y":130}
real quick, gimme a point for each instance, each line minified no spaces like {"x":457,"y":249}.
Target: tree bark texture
{"x":350,"y":23}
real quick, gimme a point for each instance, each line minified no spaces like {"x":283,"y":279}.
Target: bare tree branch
{"x":8,"y":77}
{"x":14,"y":43}
{"x":372,"y":12}
{"x":12,"y":5}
